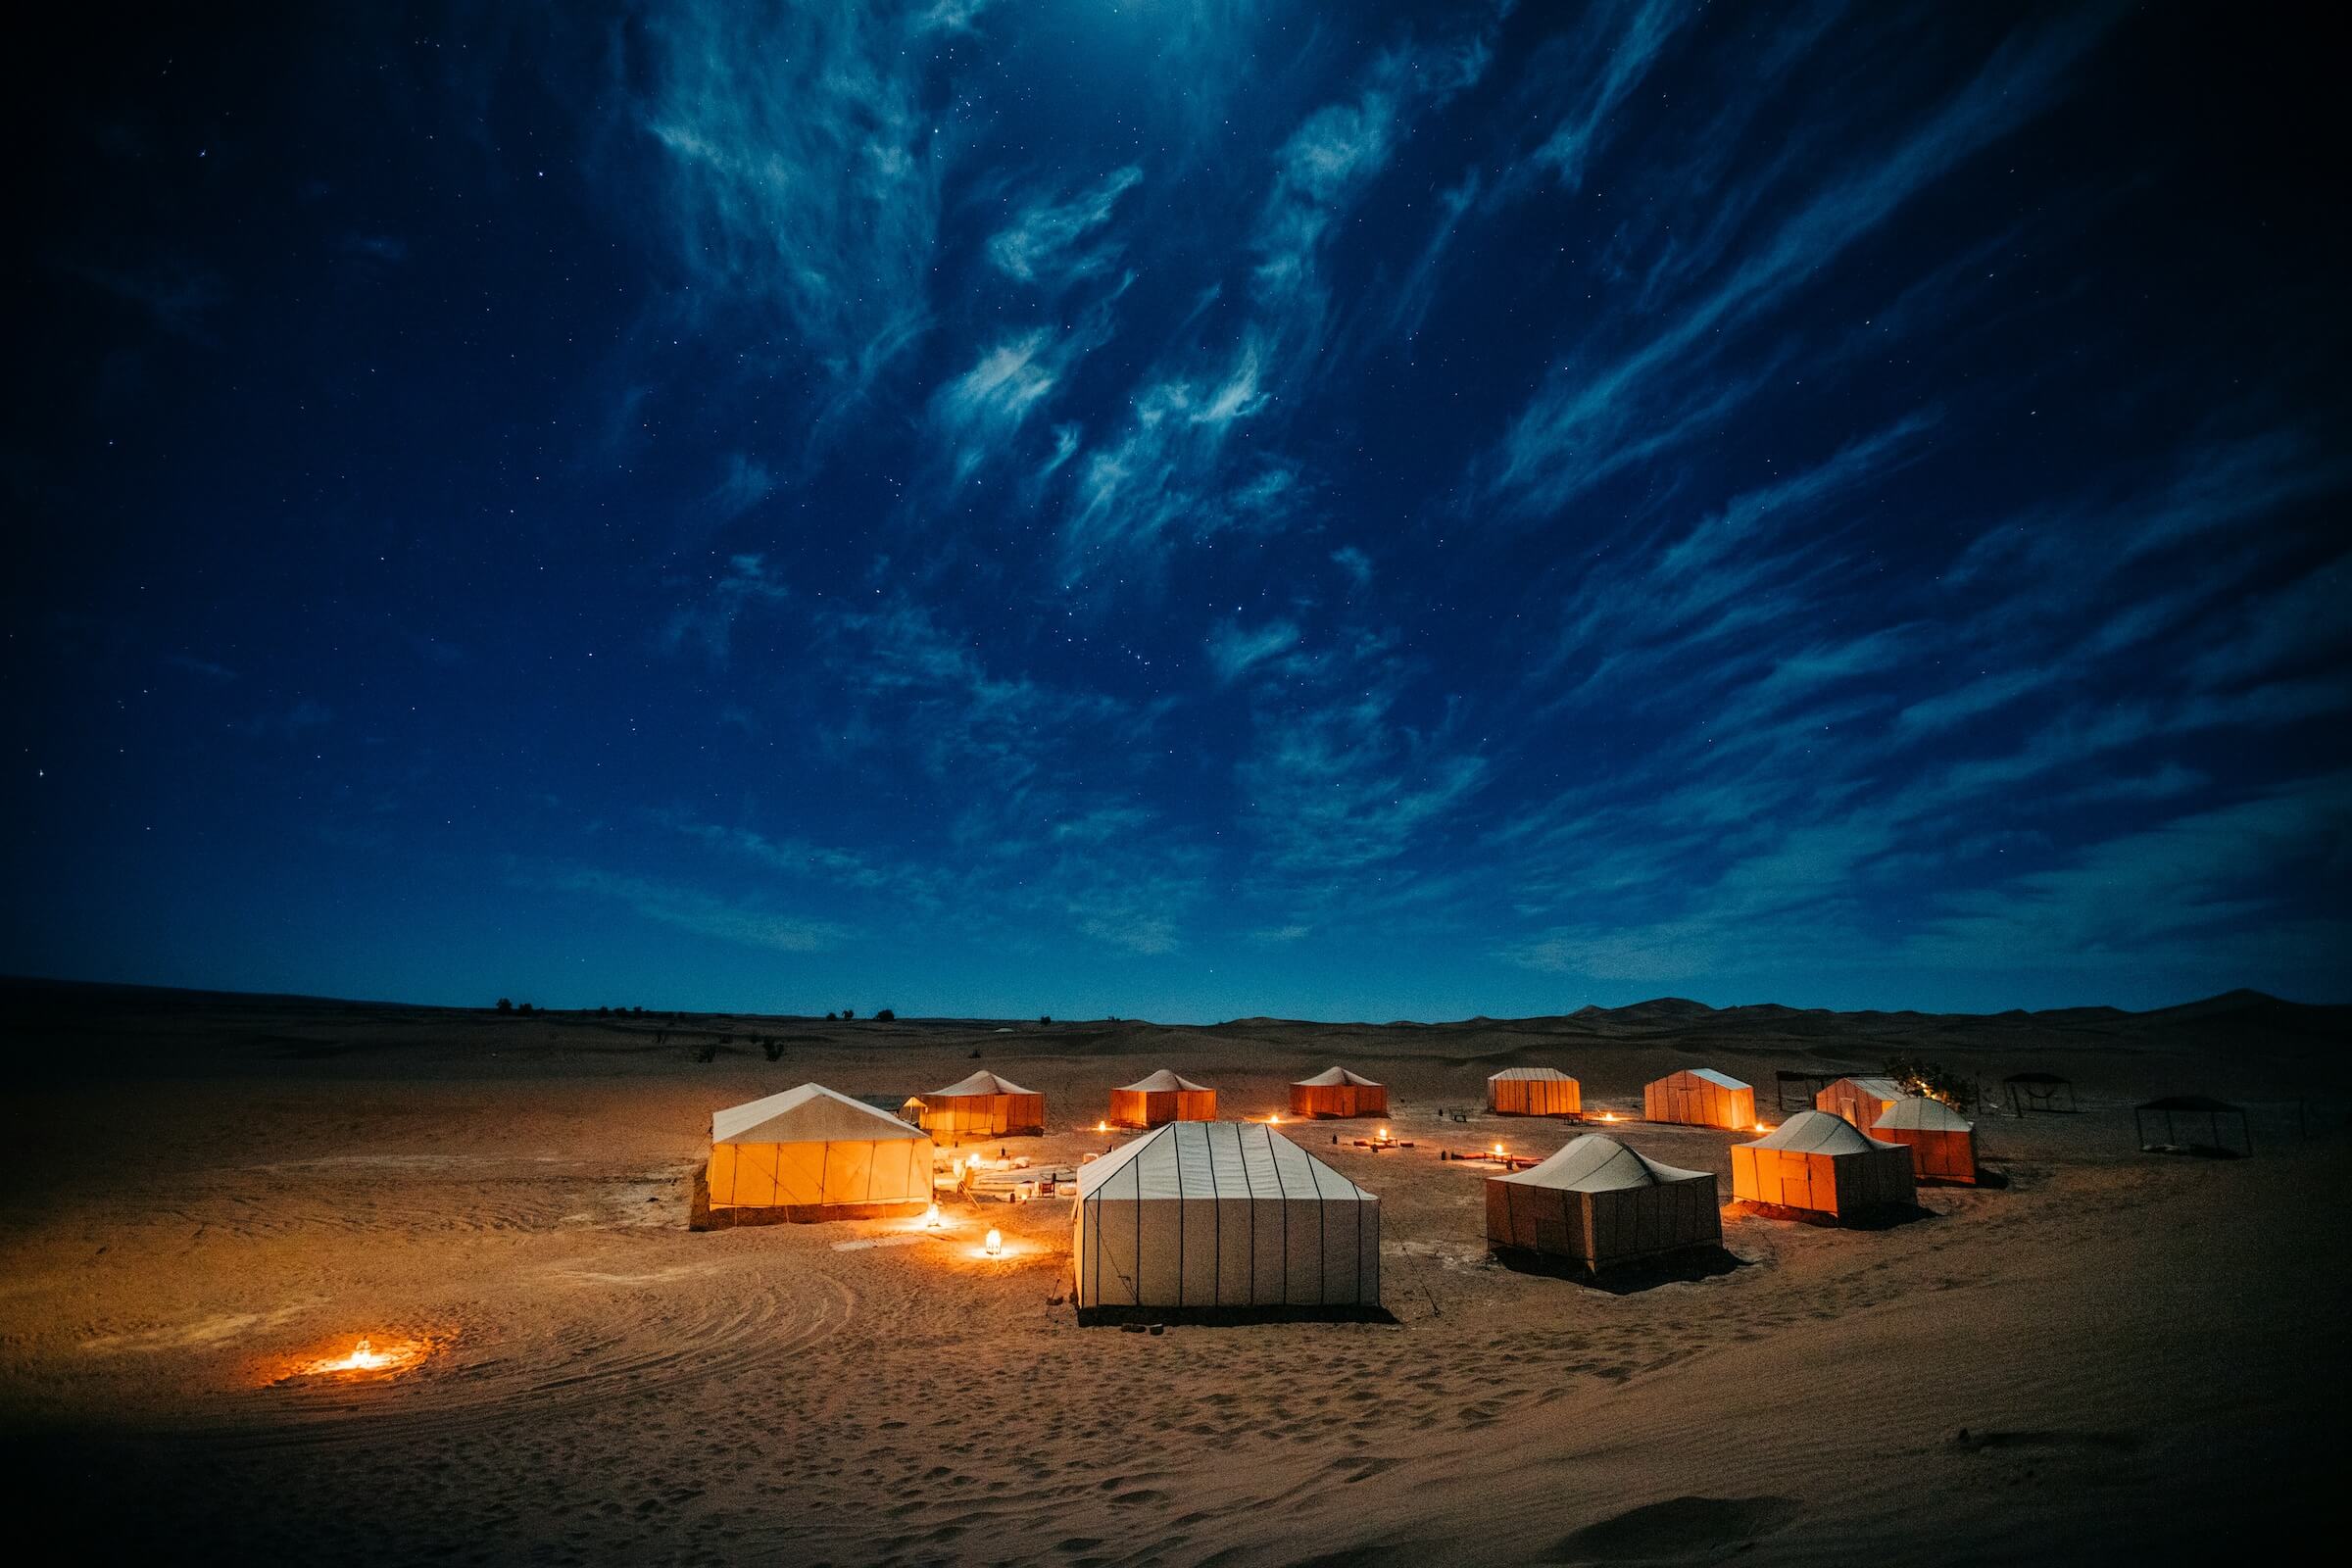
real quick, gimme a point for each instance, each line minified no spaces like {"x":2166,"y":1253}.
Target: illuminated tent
{"x":1223,"y":1215}
{"x":1163,"y":1097}
{"x":1821,"y":1162}
{"x":983,"y":1106}
{"x":810,"y":1154}
{"x":1533,"y":1092}
{"x":1598,"y":1202}
{"x":1339,"y":1092}
{"x":1699,"y":1096}
{"x":1861,"y":1101}
{"x":1942,"y":1141}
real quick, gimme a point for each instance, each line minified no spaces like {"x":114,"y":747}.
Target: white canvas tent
{"x":1818,"y":1161}
{"x":1223,"y":1215}
{"x":810,"y":1154}
{"x":1700,"y":1096}
{"x":1533,"y":1092}
{"x":1598,"y":1202}
{"x":1861,"y":1101}
{"x":1942,"y":1141}
{"x":1339,"y":1092}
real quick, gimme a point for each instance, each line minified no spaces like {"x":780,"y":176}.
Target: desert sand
{"x":2102,"y":1357}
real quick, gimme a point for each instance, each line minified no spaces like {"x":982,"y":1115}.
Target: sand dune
{"x":2111,"y":1358}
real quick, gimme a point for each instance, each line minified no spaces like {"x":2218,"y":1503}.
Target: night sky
{"x":1181,"y":510}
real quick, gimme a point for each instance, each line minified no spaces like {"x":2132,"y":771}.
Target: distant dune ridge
{"x":2099,"y":1357}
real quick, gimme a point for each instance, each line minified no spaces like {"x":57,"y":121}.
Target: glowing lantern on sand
{"x":1101,"y":1126}
{"x":931,"y":1217}
{"x":994,"y":1247}
{"x":1498,"y":1150}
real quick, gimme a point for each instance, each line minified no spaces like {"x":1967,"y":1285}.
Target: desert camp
{"x":1942,"y":1141}
{"x":808,"y":1154}
{"x":982,"y":1106}
{"x":1161,"y":1096}
{"x":1822,"y":1163}
{"x":1533,"y":1092}
{"x":1699,"y":1096}
{"x":1338,"y":1093}
{"x":1222,"y":1215}
{"x":1599,"y":1204}
{"x":1861,"y":1099}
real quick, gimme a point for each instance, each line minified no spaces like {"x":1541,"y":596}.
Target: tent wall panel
{"x":984,"y":1115}
{"x":1339,"y":1100}
{"x":1535,"y":1097}
{"x":1860,"y":1100}
{"x":1943,"y":1156}
{"x":1140,"y":1107}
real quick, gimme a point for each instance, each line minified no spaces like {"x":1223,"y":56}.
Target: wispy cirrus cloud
{"x":695,"y":909}
{"x":1055,"y":244}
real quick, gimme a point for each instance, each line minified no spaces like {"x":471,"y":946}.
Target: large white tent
{"x":1700,"y":1096}
{"x":1818,"y":1161}
{"x":1598,"y":1202}
{"x":810,"y":1154}
{"x":1533,"y":1092}
{"x":1223,"y":1215}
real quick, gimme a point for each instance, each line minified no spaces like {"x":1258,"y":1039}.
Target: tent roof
{"x":980,"y":1083}
{"x":2189,"y":1102}
{"x":1919,"y":1113}
{"x":1884,"y":1087}
{"x":1599,"y":1163}
{"x":809,"y":1114}
{"x":1164,"y":1082}
{"x":1333,"y":1078}
{"x":1241,"y":1160}
{"x":1818,"y":1132}
{"x":1552,"y":1073}
{"x":1721,"y":1080}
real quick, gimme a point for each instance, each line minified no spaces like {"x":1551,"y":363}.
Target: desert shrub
{"x":1043,"y":1018}
{"x":849,"y":1012}
{"x":829,"y":1017}
{"x":707,"y":1051}
{"x":886,"y":1015}
{"x":774,"y":1047}
{"x":1933,"y":1080}
{"x":526,"y":1007}
{"x":505,"y":1004}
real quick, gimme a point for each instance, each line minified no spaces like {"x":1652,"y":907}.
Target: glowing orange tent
{"x":1163,"y":1097}
{"x":810,"y":1154}
{"x":1533,"y":1092}
{"x":1700,"y":1096}
{"x":1339,"y":1092}
{"x":1942,"y":1141}
{"x":1861,"y":1101}
{"x":1818,"y":1161}
{"x":983,"y":1106}
{"x":1598,"y":1202}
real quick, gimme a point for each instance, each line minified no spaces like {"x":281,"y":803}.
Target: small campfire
{"x":369,"y":1356}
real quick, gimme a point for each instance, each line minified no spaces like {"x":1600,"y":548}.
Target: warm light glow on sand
{"x":1760,"y":1127}
{"x":1274,"y":1121}
{"x":931,"y":1217}
{"x":1608,"y":1115}
{"x":1101,"y":1126}
{"x":994,"y":1247}
{"x":1498,"y":1150}
{"x":366,"y":1356}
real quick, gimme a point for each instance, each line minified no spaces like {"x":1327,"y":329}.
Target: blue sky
{"x":1184,"y":509}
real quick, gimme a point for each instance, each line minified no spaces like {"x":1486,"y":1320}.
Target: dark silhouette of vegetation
{"x":829,"y":1017}
{"x":526,"y":1007}
{"x":505,"y":1004}
{"x":1043,"y":1018}
{"x":849,"y":1012}
{"x":1933,"y":1080}
{"x":774,"y":1047}
{"x":886,"y":1015}
{"x":707,"y":1051}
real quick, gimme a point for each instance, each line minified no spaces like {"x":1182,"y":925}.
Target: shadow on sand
{"x":1224,"y":1317}
{"x":1631,"y":1278}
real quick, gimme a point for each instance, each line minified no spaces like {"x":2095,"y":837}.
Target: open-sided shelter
{"x":1533,"y":1092}
{"x":810,"y":1154}
{"x":1223,"y":1215}
{"x":1700,"y":1096}
{"x":1942,"y":1141}
{"x":1818,"y":1161}
{"x":2184,"y":1116}
{"x":1163,"y":1097}
{"x":1598,"y":1202}
{"x":2040,"y":1091}
{"x":1860,"y":1100}
{"x":1339,"y":1092}
{"x":983,"y":1106}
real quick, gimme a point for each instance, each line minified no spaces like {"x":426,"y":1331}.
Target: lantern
{"x":931,"y":1217}
{"x":995,"y":1245}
